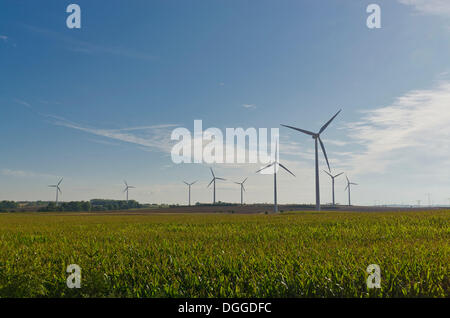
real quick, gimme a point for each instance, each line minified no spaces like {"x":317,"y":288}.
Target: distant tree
{"x":8,"y":205}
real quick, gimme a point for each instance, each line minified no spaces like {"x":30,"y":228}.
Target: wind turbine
{"x":214,"y":181}
{"x":126,"y":188}
{"x":316,"y":137}
{"x":58,"y":189}
{"x":242,"y":189}
{"x":348,"y":187}
{"x":332,"y":181}
{"x":274,"y":164}
{"x":189,"y":185}
{"x":429,"y":199}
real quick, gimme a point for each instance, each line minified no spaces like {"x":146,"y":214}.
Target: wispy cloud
{"x":434,"y":7}
{"x":84,"y":47}
{"x":3,"y":37}
{"x":412,"y":132}
{"x":22,"y":102}
{"x":249,"y":106}
{"x":335,"y":142}
{"x":24,"y":174}
{"x":155,"y":137}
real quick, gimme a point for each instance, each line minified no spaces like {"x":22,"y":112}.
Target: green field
{"x":296,"y":254}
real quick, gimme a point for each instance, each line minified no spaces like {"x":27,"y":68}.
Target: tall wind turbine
{"x":58,"y":189}
{"x":316,"y":137}
{"x":242,"y":190}
{"x":348,"y":187}
{"x":189,"y":185}
{"x":332,"y":182}
{"x":127,"y":187}
{"x":214,"y":181}
{"x":274,"y":164}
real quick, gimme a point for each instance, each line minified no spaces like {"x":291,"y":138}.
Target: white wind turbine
{"x":242,"y":190}
{"x":214,"y":181}
{"x":127,"y":187}
{"x":189,"y":185}
{"x":274,"y":164}
{"x":58,"y":189}
{"x":332,"y":182}
{"x":348,"y":187}
{"x":316,"y":137}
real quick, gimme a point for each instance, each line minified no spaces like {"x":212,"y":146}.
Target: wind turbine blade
{"x":300,"y":130}
{"x":353,"y":183}
{"x":346,"y":188}
{"x":348,"y":181}
{"x":286,"y":169}
{"x":59,"y":190}
{"x":193,"y":182}
{"x":324,"y":153}
{"x":185,"y":183}
{"x":131,"y":187}
{"x":125,"y":183}
{"x":237,"y":183}
{"x":211,"y":182}
{"x":338,"y":175}
{"x":125,"y":190}
{"x":60,"y":181}
{"x":243,"y":188}
{"x":328,"y":173}
{"x":221,"y":179}
{"x":244,"y":180}
{"x":212,"y":172}
{"x":328,"y":122}
{"x":269,"y":165}
{"x":52,"y":186}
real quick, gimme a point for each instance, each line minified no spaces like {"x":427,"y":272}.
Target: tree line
{"x":92,"y":205}
{"x":8,"y":205}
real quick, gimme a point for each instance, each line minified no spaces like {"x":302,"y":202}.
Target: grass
{"x":299,"y":254}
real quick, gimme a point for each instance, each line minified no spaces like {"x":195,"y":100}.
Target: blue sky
{"x":97,"y":105}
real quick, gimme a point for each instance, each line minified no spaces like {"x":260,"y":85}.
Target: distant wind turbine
{"x":316,"y":137}
{"x":189,"y":185}
{"x":332,"y":182}
{"x":348,"y":187}
{"x":214,"y":181}
{"x":274,"y":164}
{"x":127,"y":187}
{"x":429,"y":199}
{"x":58,"y":189}
{"x":242,"y":190}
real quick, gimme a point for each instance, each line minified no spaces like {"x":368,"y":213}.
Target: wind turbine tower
{"x":332,"y":182}
{"x":429,"y":199}
{"x":58,"y":189}
{"x":189,"y":185}
{"x":317,"y":140}
{"x":127,"y":187}
{"x":348,"y":187}
{"x":214,"y":181}
{"x":242,"y":190}
{"x":275,"y":165}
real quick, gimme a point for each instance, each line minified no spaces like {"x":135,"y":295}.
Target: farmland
{"x":291,"y":254}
